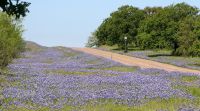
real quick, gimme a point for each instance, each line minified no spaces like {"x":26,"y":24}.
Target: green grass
{"x":67,"y":72}
{"x":115,"y":68}
{"x":189,"y":78}
{"x":156,"y":104}
{"x":77,"y":73}
{"x":197,"y":64}
{"x":96,"y":61}
{"x":171,"y":104}
{"x":121,"y":69}
{"x":2,"y":79}
{"x":65,"y":51}
{"x":157,"y":53}
{"x":67,"y":54}
{"x":194,"y":91}
{"x":14,"y":108}
{"x":106,"y":47}
{"x":31,"y":46}
{"x":48,"y":61}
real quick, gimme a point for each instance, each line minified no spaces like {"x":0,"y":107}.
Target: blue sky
{"x":70,"y":22}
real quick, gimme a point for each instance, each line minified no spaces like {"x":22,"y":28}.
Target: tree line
{"x":175,"y":27}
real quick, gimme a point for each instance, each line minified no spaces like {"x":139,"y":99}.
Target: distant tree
{"x":102,"y":32}
{"x":161,"y":25}
{"x":15,"y":7}
{"x":92,"y":41}
{"x":153,"y":27}
{"x":123,"y":22}
{"x":176,"y":14}
{"x":175,"y":27}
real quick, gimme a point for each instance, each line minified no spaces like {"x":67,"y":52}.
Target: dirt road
{"x":133,"y":61}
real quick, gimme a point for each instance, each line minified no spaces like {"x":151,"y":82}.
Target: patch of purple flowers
{"x":56,"y":90}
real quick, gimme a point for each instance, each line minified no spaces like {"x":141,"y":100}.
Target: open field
{"x":163,"y":56}
{"x":63,"y":79}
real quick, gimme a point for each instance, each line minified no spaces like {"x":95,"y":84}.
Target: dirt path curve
{"x":133,"y":61}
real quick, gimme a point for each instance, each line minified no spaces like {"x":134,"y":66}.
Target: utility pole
{"x":125,"y":39}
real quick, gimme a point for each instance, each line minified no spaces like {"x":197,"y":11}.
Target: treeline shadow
{"x":158,"y":55}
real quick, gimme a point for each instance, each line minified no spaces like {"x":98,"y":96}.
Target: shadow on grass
{"x":157,"y":55}
{"x":198,"y":64}
{"x":5,"y":73}
{"x":129,"y":49}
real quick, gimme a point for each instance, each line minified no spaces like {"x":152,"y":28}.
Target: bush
{"x":11,"y":42}
{"x":144,"y":41}
{"x":194,"y":50}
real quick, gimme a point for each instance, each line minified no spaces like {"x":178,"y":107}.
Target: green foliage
{"x":123,"y":22}
{"x":92,"y":41}
{"x":188,"y":37}
{"x":11,"y":42}
{"x":16,"y":8}
{"x":175,"y":27}
{"x":162,"y":26}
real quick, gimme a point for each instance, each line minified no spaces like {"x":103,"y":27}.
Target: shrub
{"x":11,"y":42}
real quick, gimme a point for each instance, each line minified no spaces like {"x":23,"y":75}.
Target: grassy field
{"x":75,"y":81}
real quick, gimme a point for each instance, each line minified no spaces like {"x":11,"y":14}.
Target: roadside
{"x":133,"y":61}
{"x":163,"y":56}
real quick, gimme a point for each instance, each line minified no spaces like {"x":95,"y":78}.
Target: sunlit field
{"x":99,"y":55}
{"x":62,"y":79}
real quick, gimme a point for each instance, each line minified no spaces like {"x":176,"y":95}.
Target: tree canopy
{"x":174,"y":27}
{"x":15,"y":7}
{"x":123,"y":22}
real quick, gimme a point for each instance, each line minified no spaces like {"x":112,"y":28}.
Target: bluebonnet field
{"x":62,"y":79}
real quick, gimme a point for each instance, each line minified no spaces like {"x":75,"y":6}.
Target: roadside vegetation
{"x":11,"y":42}
{"x":175,"y":27}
